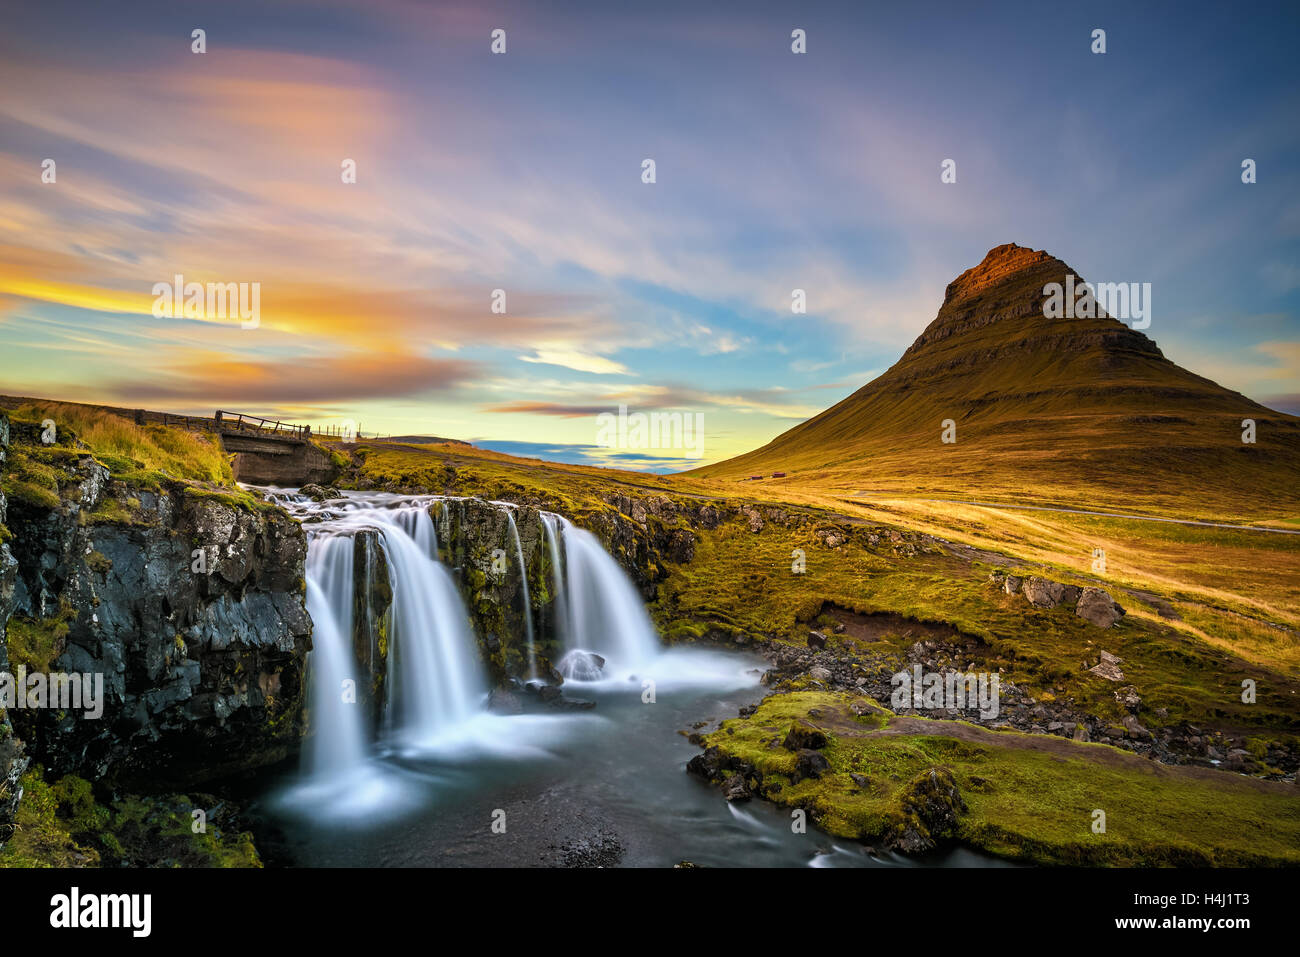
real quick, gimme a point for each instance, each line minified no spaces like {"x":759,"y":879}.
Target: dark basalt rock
{"x":13,"y":760}
{"x":565,"y":703}
{"x":320,"y":493}
{"x":931,"y":803}
{"x":803,"y":735}
{"x":713,"y":764}
{"x":475,"y":540}
{"x":809,"y":764}
{"x":501,"y":701}
{"x":192,"y":609}
{"x":735,"y":788}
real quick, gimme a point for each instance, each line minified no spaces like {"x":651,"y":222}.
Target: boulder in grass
{"x":1096,"y":607}
{"x":1043,"y":593}
{"x":803,"y":735}
{"x":809,"y":764}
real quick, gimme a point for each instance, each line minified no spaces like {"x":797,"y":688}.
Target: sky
{"x":522,"y":171}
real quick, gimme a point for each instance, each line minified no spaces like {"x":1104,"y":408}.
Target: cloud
{"x":578,"y":361}
{"x":548,"y":408}
{"x":218,"y":379}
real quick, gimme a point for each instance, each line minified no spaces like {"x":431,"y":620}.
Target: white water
{"x":528,"y":602}
{"x":606,"y":616}
{"x":338,"y":738}
{"x":435,"y":680}
{"x":436,"y":684}
{"x":415,"y":521}
{"x":560,"y":614}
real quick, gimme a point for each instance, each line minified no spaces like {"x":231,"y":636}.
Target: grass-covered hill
{"x":1049,"y":410}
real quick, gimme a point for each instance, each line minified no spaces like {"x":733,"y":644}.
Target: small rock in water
{"x":582,"y":666}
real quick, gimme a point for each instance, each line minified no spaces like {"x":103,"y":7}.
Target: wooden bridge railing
{"x":241,"y":422}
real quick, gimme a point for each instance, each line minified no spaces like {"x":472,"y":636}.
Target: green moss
{"x":161,"y":831}
{"x":37,"y":643}
{"x":42,"y":836}
{"x":99,"y":562}
{"x":63,"y":825}
{"x":114,"y":511}
{"x":237,"y":498}
{"x":19,"y":489}
{"x":1028,"y":797}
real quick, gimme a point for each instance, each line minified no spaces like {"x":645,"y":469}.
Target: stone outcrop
{"x":371,"y":603}
{"x":931,"y":804}
{"x":1108,"y":667}
{"x":1094,"y":605}
{"x":190,"y":604}
{"x":476,"y":543}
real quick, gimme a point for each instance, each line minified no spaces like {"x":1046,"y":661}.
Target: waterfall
{"x":435,"y":679}
{"x":606,"y":616}
{"x":434,"y":685}
{"x":338,"y":741}
{"x":528,"y":602}
{"x":415,"y":521}
{"x":560,"y":604}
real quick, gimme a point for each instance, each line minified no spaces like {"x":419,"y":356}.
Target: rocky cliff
{"x":188,"y":602}
{"x":12,"y":760}
{"x":475,"y":540}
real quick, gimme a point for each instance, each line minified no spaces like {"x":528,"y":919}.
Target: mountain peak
{"x":1000,"y":262}
{"x":1066,"y":403}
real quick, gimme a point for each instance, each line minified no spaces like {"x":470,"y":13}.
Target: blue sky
{"x":522,"y":172}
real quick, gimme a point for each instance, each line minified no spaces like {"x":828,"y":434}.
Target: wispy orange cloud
{"x":207,"y":380}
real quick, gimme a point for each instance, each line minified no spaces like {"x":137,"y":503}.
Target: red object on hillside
{"x":778,"y":475}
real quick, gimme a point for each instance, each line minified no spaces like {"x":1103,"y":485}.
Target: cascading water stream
{"x":560,"y":613}
{"x":605,"y":615}
{"x":415,"y":521}
{"x":338,"y":742}
{"x":528,"y":602}
{"x":435,"y":726}
{"x":434,"y":678}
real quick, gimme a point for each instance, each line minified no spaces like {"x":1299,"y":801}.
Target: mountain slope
{"x":1067,"y":410}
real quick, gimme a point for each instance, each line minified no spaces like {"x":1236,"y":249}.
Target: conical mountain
{"x":1056,"y":409}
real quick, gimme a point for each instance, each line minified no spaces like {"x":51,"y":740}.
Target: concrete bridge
{"x":270,"y":452}
{"x":266,"y":451}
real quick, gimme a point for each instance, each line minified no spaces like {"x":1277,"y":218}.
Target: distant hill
{"x":422,"y":440}
{"x":1062,"y":409}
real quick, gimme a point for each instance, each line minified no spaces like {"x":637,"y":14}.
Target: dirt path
{"x":1080,"y":511}
{"x":1066,"y":748}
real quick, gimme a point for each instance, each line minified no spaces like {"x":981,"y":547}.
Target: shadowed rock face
{"x":12,"y":759}
{"x":202,"y":669}
{"x":475,"y":541}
